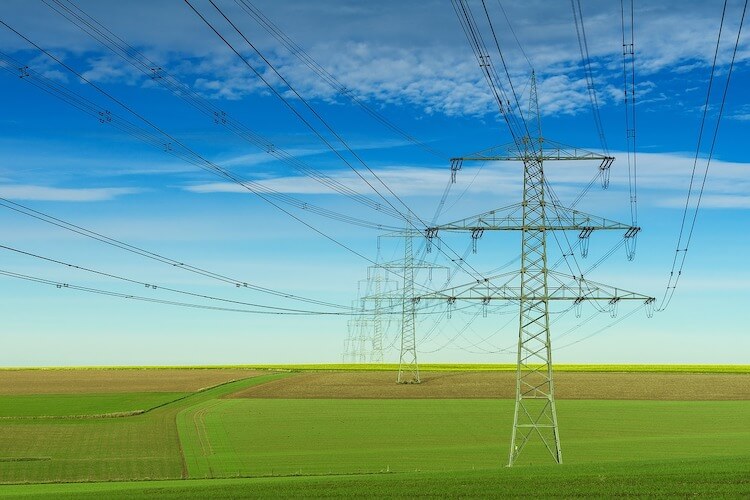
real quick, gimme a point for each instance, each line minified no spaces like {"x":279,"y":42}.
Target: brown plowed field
{"x":75,"y":381}
{"x":381,"y":385}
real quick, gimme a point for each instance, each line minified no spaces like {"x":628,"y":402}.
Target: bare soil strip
{"x":477,"y":385}
{"x":93,"y":381}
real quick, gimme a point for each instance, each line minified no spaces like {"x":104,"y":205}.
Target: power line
{"x":43,"y":217}
{"x":586,"y":60}
{"x":294,"y":110}
{"x":628,"y":78}
{"x":518,"y":42}
{"x":476,"y":42}
{"x":317,"y":115}
{"x":604,"y":328}
{"x":341,"y":89}
{"x":167,"y":288}
{"x":158,"y":74}
{"x":106,"y":117}
{"x":681,"y":253}
{"x":505,"y":68}
{"x":99,"y":291}
{"x":161,"y":139}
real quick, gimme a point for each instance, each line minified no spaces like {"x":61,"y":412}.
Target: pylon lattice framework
{"x":535,"y":414}
{"x":408,"y":298}
{"x":377,"y":295}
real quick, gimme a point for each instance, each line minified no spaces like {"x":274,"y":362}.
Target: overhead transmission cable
{"x":505,"y":69}
{"x":604,"y":328}
{"x":159,"y":75}
{"x":476,"y":42}
{"x":586,"y":61}
{"x":294,"y":110}
{"x":276,"y":309}
{"x":628,"y":77}
{"x":409,"y":213}
{"x":157,"y":137}
{"x":513,"y":32}
{"x":686,"y":228}
{"x":49,"y":219}
{"x":99,"y":291}
{"x":106,"y":117}
{"x":273,"y":29}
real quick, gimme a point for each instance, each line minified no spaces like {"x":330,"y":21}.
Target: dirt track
{"x":124,"y":380}
{"x":381,"y":385}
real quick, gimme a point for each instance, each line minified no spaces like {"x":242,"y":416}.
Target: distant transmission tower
{"x":408,"y":368}
{"x":535,"y":417}
{"x":377,"y":296}
{"x":376,"y":354}
{"x":406,"y":269}
{"x":356,"y":342}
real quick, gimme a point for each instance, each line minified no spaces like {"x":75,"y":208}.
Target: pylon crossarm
{"x":421,"y":264}
{"x":526,"y":149}
{"x":588,"y":290}
{"x":510,"y":218}
{"x":562,"y":287}
{"x":477,"y":290}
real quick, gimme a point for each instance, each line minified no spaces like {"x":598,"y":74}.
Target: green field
{"x":144,"y":446}
{"x":238,"y":437}
{"x":361,"y":447}
{"x":708,"y":478}
{"x":82,"y":405}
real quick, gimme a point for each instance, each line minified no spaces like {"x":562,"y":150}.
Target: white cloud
{"x":663,"y":181}
{"x":44,"y":193}
{"x":391,"y":52}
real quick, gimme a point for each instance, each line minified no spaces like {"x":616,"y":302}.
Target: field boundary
{"x":322,"y":367}
{"x":123,"y":414}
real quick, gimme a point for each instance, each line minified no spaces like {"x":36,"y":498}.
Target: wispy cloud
{"x":44,"y":193}
{"x":412,"y":54}
{"x":663,"y":180}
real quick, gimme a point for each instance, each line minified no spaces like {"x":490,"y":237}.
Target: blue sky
{"x":411,"y":63}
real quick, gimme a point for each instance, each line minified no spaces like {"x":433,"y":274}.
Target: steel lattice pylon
{"x":535,"y":413}
{"x":408,"y":369}
{"x":384,"y":297}
{"x":376,"y":355}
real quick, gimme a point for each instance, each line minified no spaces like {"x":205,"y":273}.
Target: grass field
{"x":247,"y":437}
{"x":79,"y":405}
{"x":143,"y":446}
{"x":707,"y":478}
{"x":314,"y":446}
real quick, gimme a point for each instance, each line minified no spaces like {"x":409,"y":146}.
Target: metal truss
{"x":534,"y":286}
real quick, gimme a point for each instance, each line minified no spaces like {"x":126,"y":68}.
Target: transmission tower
{"x":356,"y":342}
{"x":534,"y":285}
{"x":407,"y":269}
{"x":377,"y":296}
{"x":376,"y":355}
{"x":408,"y":368}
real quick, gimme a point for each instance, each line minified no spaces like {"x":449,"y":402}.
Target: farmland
{"x":340,"y":433}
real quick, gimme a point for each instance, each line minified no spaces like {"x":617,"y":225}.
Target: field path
{"x":143,"y":446}
{"x":197,"y":444}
